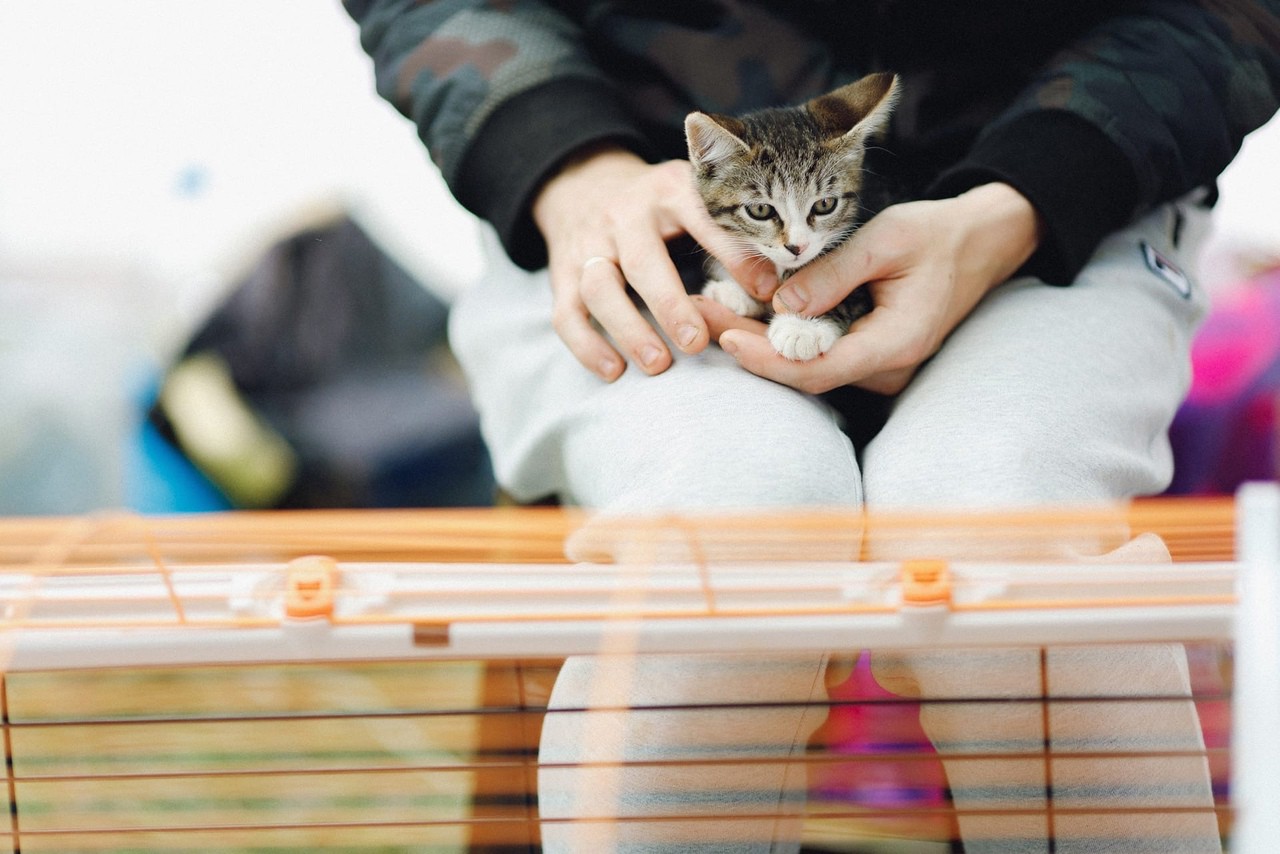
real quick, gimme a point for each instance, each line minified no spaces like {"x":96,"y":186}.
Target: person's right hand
{"x":606,"y":218}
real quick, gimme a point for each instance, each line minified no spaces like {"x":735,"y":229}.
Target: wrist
{"x":1008,"y":228}
{"x":562,"y":191}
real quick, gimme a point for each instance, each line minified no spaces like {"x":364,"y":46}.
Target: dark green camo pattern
{"x":1175,"y":84}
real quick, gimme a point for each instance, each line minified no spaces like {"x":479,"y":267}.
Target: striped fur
{"x":788,"y":185}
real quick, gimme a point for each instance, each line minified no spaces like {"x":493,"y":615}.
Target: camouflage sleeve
{"x":1151,"y":104}
{"x":501,"y":91}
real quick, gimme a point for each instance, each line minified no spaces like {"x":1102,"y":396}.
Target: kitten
{"x":788,"y":184}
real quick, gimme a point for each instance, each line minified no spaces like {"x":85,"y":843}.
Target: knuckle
{"x":667,"y":305}
{"x":612,"y":218}
{"x":892,"y":215}
{"x":673,"y":170}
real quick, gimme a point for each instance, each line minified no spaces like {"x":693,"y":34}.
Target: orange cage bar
{"x":379,"y":679}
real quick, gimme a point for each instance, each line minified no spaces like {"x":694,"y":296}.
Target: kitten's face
{"x":788,"y":204}
{"x":786,"y":182}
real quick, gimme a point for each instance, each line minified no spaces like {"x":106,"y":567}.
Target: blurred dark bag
{"x":324,"y":380}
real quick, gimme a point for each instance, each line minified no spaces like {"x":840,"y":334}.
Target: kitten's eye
{"x":759,"y":210}
{"x":825,"y":206}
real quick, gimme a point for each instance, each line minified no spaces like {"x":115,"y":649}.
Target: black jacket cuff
{"x":1072,"y":173}
{"x":522,"y":143}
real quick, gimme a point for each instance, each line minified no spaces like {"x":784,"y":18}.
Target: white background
{"x":150,"y":149}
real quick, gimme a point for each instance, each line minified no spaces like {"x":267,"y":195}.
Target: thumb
{"x":754,"y":272}
{"x":822,"y":284}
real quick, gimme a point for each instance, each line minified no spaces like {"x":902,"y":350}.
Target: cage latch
{"x":309,"y":587}
{"x":926,"y":582}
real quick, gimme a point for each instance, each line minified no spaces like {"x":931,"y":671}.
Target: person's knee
{"x":676,"y":442}
{"x":1031,"y":458}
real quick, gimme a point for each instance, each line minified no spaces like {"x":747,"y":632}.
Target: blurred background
{"x":225,"y":265}
{"x":159,"y":158}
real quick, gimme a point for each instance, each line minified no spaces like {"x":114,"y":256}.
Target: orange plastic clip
{"x":309,"y":587}
{"x":926,"y":582}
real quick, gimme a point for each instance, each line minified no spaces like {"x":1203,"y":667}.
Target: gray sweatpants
{"x":1043,"y":396}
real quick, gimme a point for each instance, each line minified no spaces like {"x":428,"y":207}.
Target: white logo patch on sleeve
{"x":1167,"y":270}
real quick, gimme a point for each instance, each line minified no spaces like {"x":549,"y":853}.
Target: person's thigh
{"x":1054,"y":396}
{"x":1049,"y":394}
{"x":704,"y":434}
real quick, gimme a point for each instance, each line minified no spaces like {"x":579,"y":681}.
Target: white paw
{"x":730,"y":294}
{"x":803,"y":338}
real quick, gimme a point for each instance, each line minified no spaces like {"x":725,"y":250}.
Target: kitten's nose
{"x":796,"y":249}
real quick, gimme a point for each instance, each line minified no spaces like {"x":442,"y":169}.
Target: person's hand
{"x":927,"y":263}
{"x":606,"y":217}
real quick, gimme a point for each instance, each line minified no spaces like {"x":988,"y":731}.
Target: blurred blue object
{"x":160,"y":480}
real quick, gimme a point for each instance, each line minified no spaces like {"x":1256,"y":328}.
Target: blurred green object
{"x":325,"y":380}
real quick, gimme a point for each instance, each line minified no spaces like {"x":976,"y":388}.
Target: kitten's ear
{"x":859,"y":110}
{"x":713,"y":139}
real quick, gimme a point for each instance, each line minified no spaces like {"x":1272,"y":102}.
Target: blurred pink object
{"x":1225,"y":432}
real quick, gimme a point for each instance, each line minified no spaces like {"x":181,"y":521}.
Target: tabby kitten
{"x":788,"y":184}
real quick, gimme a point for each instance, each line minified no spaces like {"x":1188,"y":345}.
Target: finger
{"x":753,"y":271}
{"x":603,"y":292}
{"x":750,"y":269}
{"x":720,"y":319}
{"x":817,"y":287}
{"x":684,"y":212}
{"x":821,"y":285}
{"x":573,"y":324}
{"x":649,"y":269}
{"x":868,"y":357}
{"x":756,"y":354}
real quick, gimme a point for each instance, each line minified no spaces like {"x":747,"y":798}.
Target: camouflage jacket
{"x":1094,"y":109}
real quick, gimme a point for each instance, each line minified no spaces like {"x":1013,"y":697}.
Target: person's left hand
{"x":927,"y":263}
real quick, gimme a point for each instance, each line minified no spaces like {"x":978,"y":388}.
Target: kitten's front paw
{"x":803,"y":338}
{"x":730,"y":294}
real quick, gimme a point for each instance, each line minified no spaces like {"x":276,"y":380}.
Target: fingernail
{"x":649,"y":354}
{"x":765,"y":283}
{"x":793,"y":297}
{"x":686,"y":334}
{"x":608,"y":369}
{"x":728,"y":345}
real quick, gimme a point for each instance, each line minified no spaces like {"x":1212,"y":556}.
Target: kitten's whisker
{"x":756,"y":259}
{"x":747,"y":250}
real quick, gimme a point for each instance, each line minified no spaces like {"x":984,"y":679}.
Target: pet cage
{"x":380,"y":680}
